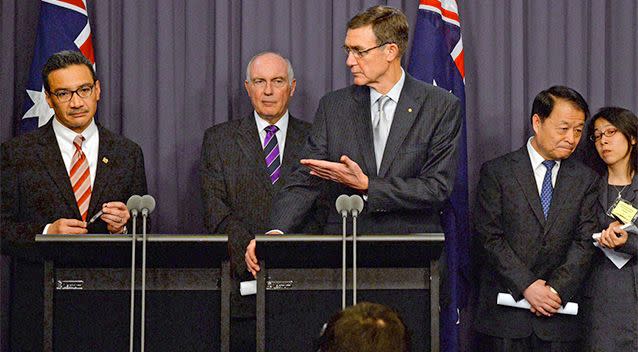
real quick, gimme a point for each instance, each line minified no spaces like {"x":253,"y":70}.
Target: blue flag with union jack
{"x":63,"y":25}
{"x":437,"y":58}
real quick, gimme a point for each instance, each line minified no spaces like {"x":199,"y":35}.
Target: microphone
{"x":356,"y":203}
{"x":147,"y":204}
{"x":133,"y":204}
{"x":343,"y":205}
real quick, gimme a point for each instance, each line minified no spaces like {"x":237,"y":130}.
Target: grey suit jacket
{"x":36,"y":189}
{"x":521,"y":246}
{"x":236,"y":188}
{"x":416,"y":174}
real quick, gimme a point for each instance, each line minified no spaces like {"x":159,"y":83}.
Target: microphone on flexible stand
{"x":147,"y":205}
{"x":356,"y":203}
{"x":343,"y":208}
{"x":133,"y":205}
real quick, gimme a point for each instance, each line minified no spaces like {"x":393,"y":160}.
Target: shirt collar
{"x":67,"y":135}
{"x":282,"y":124}
{"x":394,"y":93}
{"x":535,"y":157}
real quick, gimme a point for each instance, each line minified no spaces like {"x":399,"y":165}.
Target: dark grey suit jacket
{"x":520,"y":246}
{"x":236,"y":188}
{"x":416,"y":174}
{"x":36,"y":189}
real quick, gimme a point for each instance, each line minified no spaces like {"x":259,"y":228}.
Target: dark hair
{"x":388,"y":24}
{"x":64,"y":59}
{"x":626,"y":122}
{"x":365,"y":327}
{"x":545,"y":101}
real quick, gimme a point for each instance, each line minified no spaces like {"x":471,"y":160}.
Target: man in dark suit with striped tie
{"x":56,"y":178}
{"x":244,"y":163}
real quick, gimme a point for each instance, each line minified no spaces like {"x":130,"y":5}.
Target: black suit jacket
{"x":520,"y":246}
{"x":236,"y":188}
{"x":417,"y":171}
{"x":36,"y":189}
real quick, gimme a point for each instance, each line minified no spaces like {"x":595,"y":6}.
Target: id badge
{"x":623,"y":211}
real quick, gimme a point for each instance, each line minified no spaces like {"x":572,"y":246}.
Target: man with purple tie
{"x":244,"y":163}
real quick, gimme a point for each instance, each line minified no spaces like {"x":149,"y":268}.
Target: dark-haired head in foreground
{"x":365,"y":327}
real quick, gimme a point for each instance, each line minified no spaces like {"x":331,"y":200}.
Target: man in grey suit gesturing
{"x":534,"y":216}
{"x":389,"y":137}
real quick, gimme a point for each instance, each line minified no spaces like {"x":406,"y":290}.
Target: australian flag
{"x":63,"y":25}
{"x":437,"y":58}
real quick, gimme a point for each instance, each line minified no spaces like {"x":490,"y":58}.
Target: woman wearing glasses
{"x":611,"y":297}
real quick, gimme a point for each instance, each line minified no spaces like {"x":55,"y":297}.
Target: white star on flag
{"x":40,"y":108}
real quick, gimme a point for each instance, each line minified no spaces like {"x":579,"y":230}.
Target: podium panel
{"x":299,"y":287}
{"x":87,"y":293}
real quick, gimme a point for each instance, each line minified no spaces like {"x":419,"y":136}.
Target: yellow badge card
{"x":623,"y":211}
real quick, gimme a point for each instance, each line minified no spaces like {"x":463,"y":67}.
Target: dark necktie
{"x":271,"y":149}
{"x":547,"y":189}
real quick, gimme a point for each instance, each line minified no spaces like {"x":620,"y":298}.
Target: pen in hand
{"x":96,"y":216}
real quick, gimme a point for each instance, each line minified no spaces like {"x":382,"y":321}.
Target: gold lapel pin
{"x":409,"y":109}
{"x":105,"y":160}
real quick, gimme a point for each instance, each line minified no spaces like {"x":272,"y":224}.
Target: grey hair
{"x":291,"y":73}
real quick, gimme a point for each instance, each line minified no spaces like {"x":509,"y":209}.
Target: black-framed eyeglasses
{"x":360,"y":53}
{"x":599,"y":134}
{"x":66,"y":95}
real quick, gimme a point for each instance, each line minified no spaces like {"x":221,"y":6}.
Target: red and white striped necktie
{"x":80,"y":177}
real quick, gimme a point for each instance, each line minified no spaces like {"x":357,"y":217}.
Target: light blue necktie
{"x":547,"y":189}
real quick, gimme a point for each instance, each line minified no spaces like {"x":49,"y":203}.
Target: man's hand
{"x":68,"y":226}
{"x":542,"y":299}
{"x":251,"y":258}
{"x":346,"y":172}
{"x":613,"y":236}
{"x":115,"y":216}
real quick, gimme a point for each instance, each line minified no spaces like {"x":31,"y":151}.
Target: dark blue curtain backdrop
{"x":170,"y":69}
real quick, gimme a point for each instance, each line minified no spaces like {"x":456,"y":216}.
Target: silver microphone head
{"x":133,"y":204}
{"x":356,"y":203}
{"x":343,"y":205}
{"x":148,"y":204}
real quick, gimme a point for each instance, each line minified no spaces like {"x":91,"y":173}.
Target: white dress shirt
{"x":90,"y":147}
{"x":282,"y":124}
{"x":390,"y":107}
{"x":539,"y":169}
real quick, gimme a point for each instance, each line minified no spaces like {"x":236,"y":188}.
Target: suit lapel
{"x":405,"y":114}
{"x":562,"y":191}
{"x":249,"y":142}
{"x":295,"y":141}
{"x":524,"y":175}
{"x":49,"y":153}
{"x":103,"y":170}
{"x":363,"y":129}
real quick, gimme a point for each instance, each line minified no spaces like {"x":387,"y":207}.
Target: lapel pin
{"x":105,"y":160}
{"x":409,"y":109}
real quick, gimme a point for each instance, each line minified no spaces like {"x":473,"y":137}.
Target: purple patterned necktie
{"x":271,"y":149}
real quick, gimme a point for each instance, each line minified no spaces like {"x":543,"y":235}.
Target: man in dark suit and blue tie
{"x":56,"y":178}
{"x":244,"y":163}
{"x":534,"y":216}
{"x":388,"y":137}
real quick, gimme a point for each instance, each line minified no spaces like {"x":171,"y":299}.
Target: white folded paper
{"x":505,"y":299}
{"x":618,"y":258}
{"x":247,"y":288}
